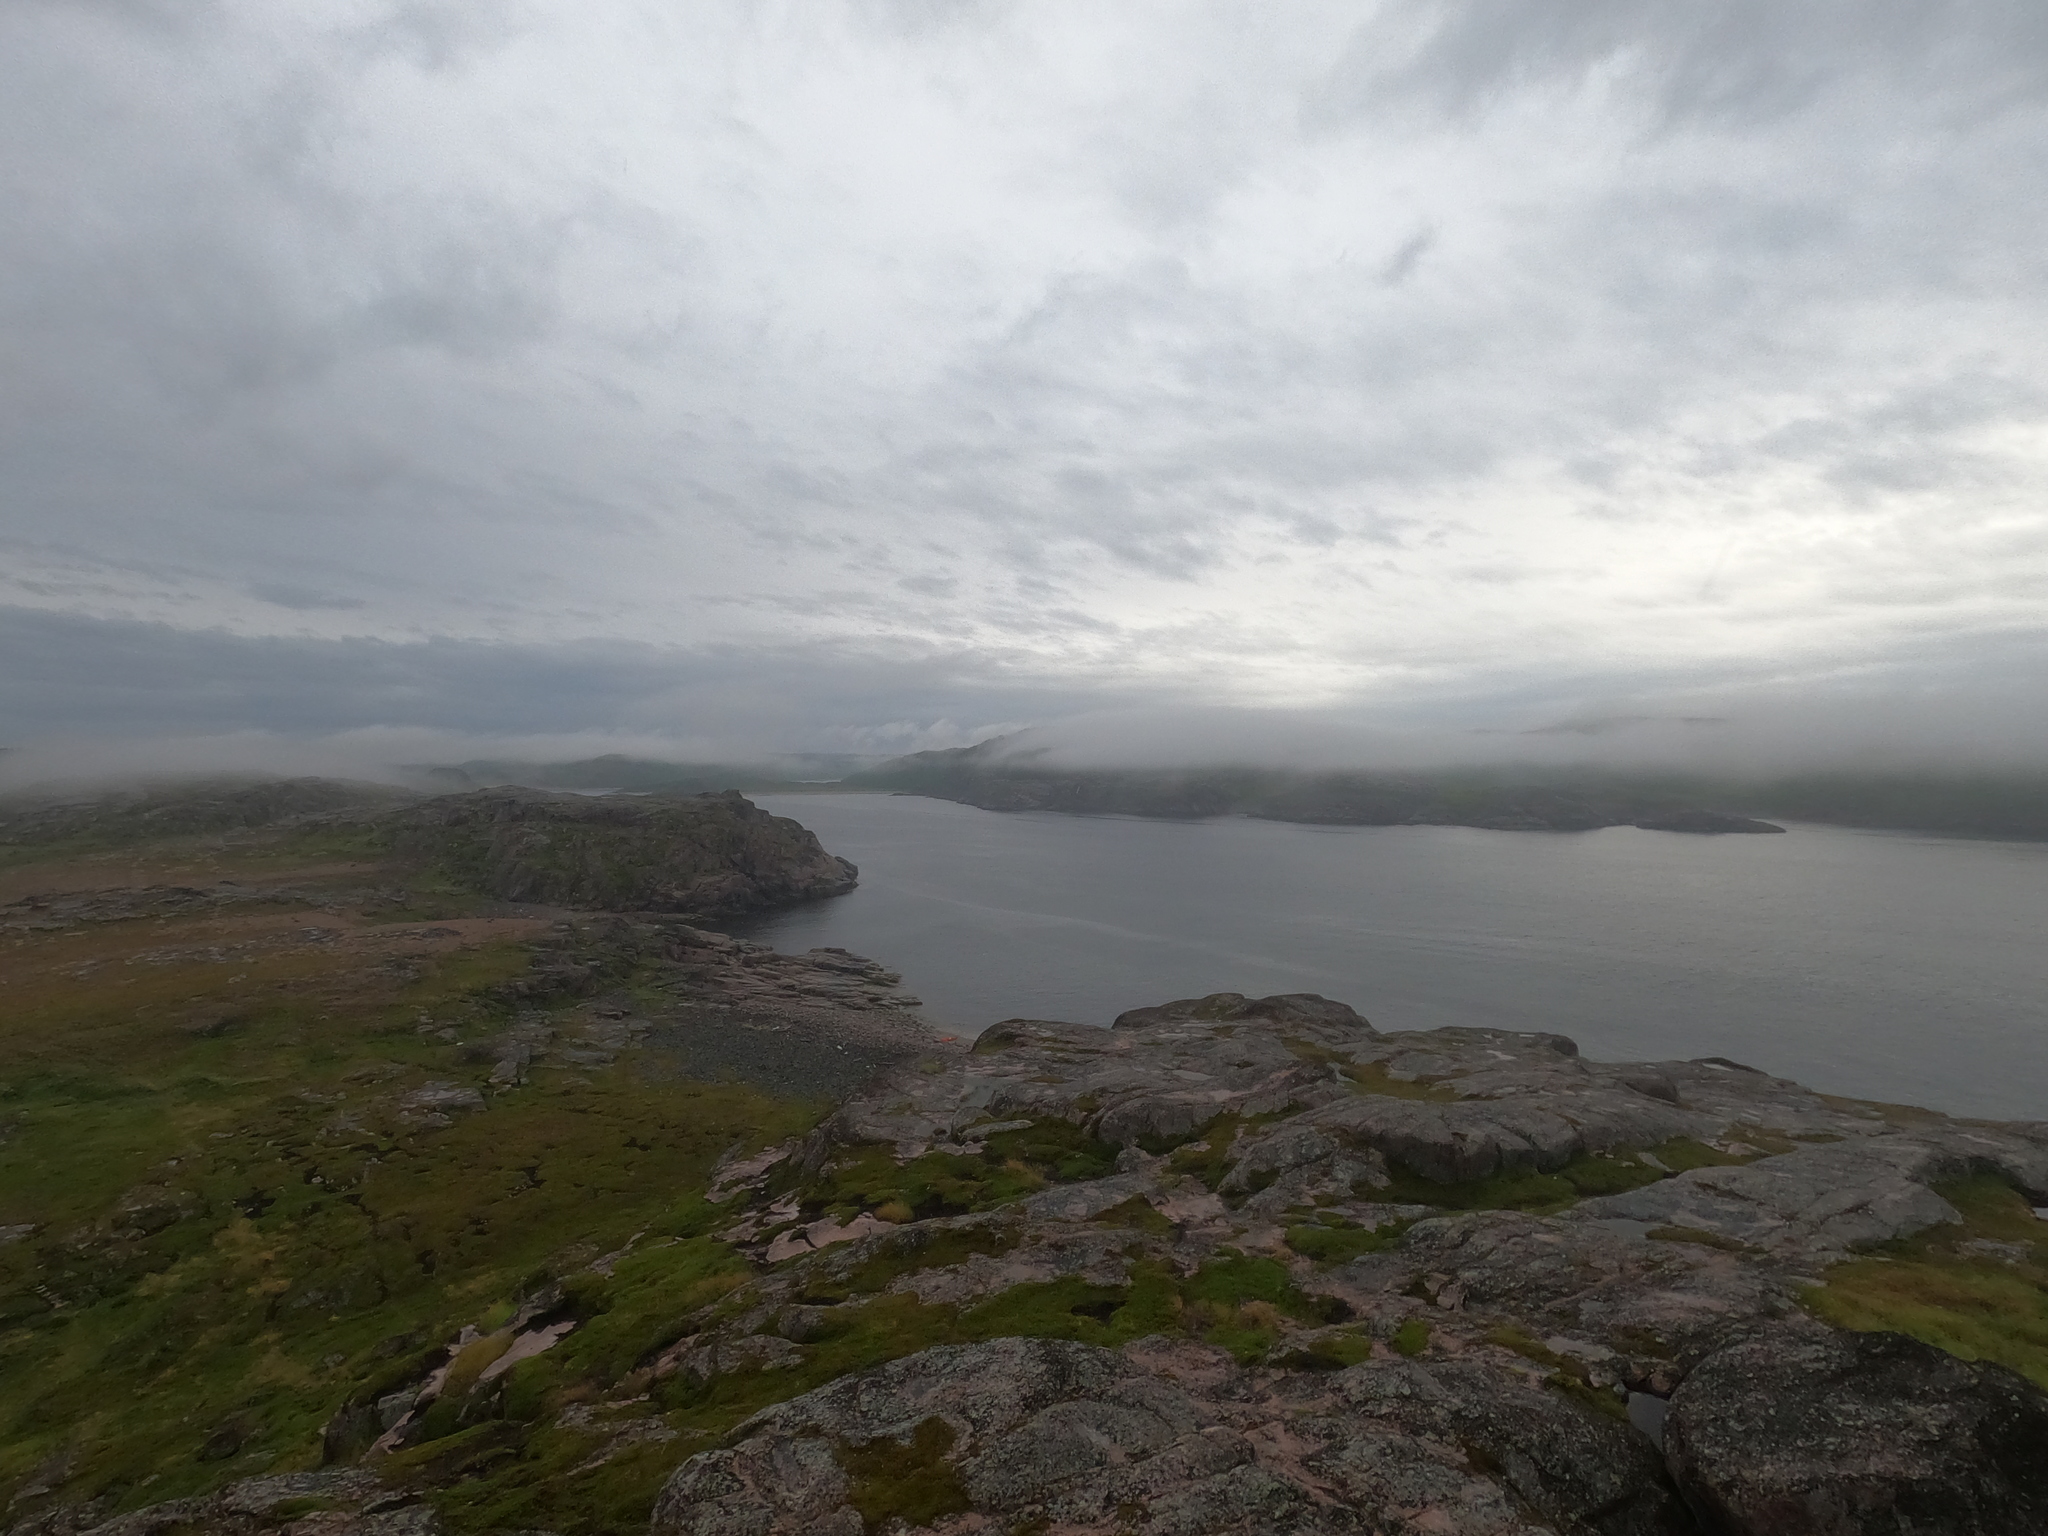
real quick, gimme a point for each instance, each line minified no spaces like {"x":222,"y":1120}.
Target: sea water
{"x":1881,"y":965}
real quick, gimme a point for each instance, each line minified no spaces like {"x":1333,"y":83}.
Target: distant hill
{"x":994,"y":776}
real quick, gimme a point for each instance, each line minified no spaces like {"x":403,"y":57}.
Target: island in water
{"x":375,"y":1163}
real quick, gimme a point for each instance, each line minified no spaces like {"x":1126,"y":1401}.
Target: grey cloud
{"x":286,"y":595}
{"x":1731,"y":63}
{"x":1960,"y":707}
{"x":114,"y":680}
{"x":1407,"y":256}
{"x":995,"y":360}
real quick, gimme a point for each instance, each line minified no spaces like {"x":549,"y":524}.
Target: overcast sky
{"x":872,"y":376}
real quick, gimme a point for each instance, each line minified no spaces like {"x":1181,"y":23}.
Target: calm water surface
{"x":1881,"y":965}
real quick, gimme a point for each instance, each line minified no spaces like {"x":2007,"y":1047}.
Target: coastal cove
{"x":1880,"y":965}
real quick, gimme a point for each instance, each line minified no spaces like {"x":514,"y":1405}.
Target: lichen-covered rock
{"x":1044,"y":1434}
{"x":1843,"y":1196}
{"x":712,"y":854}
{"x":1013,"y":1423}
{"x":1796,"y":1432}
{"x":1808,"y":1432}
{"x":1579,"y":1470}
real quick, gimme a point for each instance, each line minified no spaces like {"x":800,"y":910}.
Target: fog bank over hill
{"x":1956,"y":763}
{"x":1943,"y":755}
{"x":1763,"y":734}
{"x":415,"y":759}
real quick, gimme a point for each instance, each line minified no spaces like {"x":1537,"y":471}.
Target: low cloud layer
{"x":876,"y":375}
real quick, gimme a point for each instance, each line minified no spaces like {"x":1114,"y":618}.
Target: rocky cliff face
{"x":711,"y":854}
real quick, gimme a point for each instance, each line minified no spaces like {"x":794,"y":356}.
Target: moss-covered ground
{"x":1977,"y":1288}
{"x":224,"y":1229}
{"x":1541,"y":1192}
{"x":1012,"y":1164}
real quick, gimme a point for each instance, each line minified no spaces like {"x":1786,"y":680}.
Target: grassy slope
{"x":234,"y":1230}
{"x":1978,"y":1289}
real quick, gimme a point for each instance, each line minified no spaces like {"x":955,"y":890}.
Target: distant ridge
{"x":996,"y":776}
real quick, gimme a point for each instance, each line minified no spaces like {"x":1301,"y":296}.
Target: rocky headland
{"x":716,"y":854}
{"x":351,"y":1190}
{"x":712,"y":854}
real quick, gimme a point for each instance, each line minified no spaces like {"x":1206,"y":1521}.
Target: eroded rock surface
{"x":1837,"y":1434}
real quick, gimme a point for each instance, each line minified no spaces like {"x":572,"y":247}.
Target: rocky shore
{"x":1314,"y":1278}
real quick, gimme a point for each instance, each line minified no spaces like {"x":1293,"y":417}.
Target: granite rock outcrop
{"x":1286,"y":1272}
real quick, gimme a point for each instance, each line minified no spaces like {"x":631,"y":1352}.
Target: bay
{"x":1880,"y":965}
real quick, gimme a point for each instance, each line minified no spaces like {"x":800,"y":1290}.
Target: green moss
{"x":1137,"y":1215}
{"x":1681,"y":1154}
{"x":1602,"y":1400}
{"x":910,"y":1481}
{"x":1607,"y":1174}
{"x":1011,"y":1165}
{"x":1331,"y":1352}
{"x":1208,"y":1157}
{"x":1239,"y":1301}
{"x":917,"y":1247}
{"x":1371,"y":1077}
{"x":1977,"y":1305}
{"x":1067,"y":1308}
{"x":1507,"y":1336}
{"x":1340,"y":1242}
{"x":1568,"y":1376}
{"x":542,"y":1483}
{"x":1518,"y":1189}
{"x":1522,"y":1189}
{"x":1411,"y":1338}
{"x":1233,"y":1278}
{"x":1057,"y":1149}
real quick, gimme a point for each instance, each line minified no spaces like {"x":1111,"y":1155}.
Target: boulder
{"x":1807,"y":1432}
